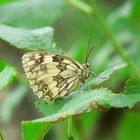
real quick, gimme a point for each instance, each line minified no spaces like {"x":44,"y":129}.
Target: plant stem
{"x":108,"y":32}
{"x":81,"y":5}
{"x":69,"y":128}
{"x":1,"y":136}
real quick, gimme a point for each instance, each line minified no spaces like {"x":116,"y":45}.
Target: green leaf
{"x":130,"y":96}
{"x":62,"y":108}
{"x":35,"y":130}
{"x":31,"y":13}
{"x":73,"y":104}
{"x":105,"y":75}
{"x":7,"y":74}
{"x":39,"y":39}
{"x":77,"y":103}
{"x":12,"y":101}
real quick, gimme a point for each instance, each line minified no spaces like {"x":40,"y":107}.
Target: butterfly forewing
{"x":51,"y":75}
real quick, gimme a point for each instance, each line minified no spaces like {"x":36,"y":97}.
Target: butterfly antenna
{"x":89,"y":50}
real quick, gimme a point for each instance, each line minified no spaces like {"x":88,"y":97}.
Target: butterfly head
{"x":86,"y":68}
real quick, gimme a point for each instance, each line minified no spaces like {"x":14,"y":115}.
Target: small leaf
{"x":7,"y":74}
{"x":14,"y":98}
{"x":39,"y":39}
{"x":35,"y":130}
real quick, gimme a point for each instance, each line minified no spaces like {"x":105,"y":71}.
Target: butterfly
{"x":53,"y":75}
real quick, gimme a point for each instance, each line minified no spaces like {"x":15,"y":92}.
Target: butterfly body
{"x":52,"y":75}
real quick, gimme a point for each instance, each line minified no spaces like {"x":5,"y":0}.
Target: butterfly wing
{"x":51,"y":75}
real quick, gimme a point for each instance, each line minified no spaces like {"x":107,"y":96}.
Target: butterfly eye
{"x":87,"y":65}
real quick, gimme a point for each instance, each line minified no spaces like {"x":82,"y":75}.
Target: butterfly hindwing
{"x":51,"y":75}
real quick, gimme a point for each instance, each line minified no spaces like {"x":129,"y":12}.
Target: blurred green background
{"x":72,"y":30}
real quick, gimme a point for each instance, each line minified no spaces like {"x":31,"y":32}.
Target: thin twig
{"x":69,"y":128}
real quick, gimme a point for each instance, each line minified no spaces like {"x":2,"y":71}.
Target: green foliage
{"x":7,"y":74}
{"x":91,"y":120}
{"x":14,"y":98}
{"x":129,"y":126}
{"x":136,"y":11}
{"x":103,"y":76}
{"x":118,"y":36}
{"x":1,"y":136}
{"x":5,"y":1}
{"x":130,"y":96}
{"x":80,"y":102}
{"x":35,"y":131}
{"x":31,"y":13}
{"x":74,"y":104}
{"x":126,"y":28}
{"x":39,"y":39}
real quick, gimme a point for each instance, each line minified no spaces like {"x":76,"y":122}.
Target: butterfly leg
{"x":94,"y":74}
{"x":80,"y":88}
